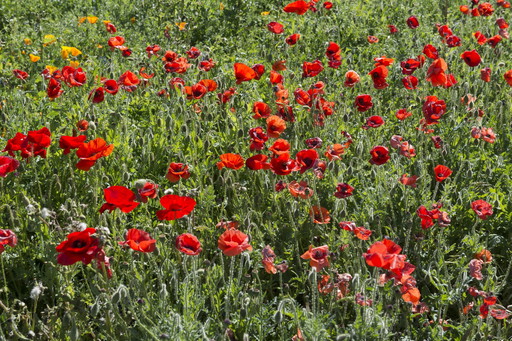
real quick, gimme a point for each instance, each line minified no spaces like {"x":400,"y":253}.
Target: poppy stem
{"x":6,"y":288}
{"x":435,"y":191}
{"x":473,"y":229}
{"x":230,"y":284}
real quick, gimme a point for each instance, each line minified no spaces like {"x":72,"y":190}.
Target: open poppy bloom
{"x":139,"y":240}
{"x":175,"y":207}
{"x":243,"y":73}
{"x":258,"y":138}
{"x":34,"y":143}
{"x":300,"y":189}
{"x":410,"y":82}
{"x":311,"y":69}
{"x":233,"y":242}
{"x":128,"y":81}
{"x":146,"y":189}
{"x":280,"y":146}
{"x":257,"y":162}
{"x":20,"y":74}
{"x":7,"y":237}
{"x":436,"y":73}
{"x":91,"y":151}
{"x":442,"y":173}
{"x":115,"y":42}
{"x":73,"y":77}
{"x":372,"y":39}
{"x":402,"y":114}
{"x":283,"y":164}
{"x":8,"y":165}
{"x":261,"y":110}
{"x":409,"y":180}
{"x":335,"y":151}
{"x":230,"y":160}
{"x":430,"y":51}
{"x":343,"y":190}
{"x":275,"y":126}
{"x":472,"y":58}
{"x":119,"y":197}
{"x":188,"y":244}
{"x":275,"y":27}
{"x":298,"y":7}
{"x":433,"y":109}
{"x":292,"y":39}
{"x":351,"y":79}
{"x":373,"y":122}
{"x":71,"y":142}
{"x":177,"y":171}
{"x":54,"y":88}
{"x":318,"y":257}
{"x":306,"y":159}
{"x":482,"y":208}
{"x":97,"y":95}
{"x":379,"y":75}
{"x":380,"y":155}
{"x":79,"y":246}
{"x":320,"y":215}
{"x":412,"y":22}
{"x":363,"y":103}
{"x":508,"y":77}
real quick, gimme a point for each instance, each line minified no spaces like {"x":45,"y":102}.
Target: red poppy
{"x":139,"y":240}
{"x":34,"y":143}
{"x":268,"y":259}
{"x":275,"y":27}
{"x":225,"y":96}
{"x":54,"y":88}
{"x":406,"y":149}
{"x":258,"y":138}
{"x":292,"y":39}
{"x":430,"y":51}
{"x":259,"y":69}
{"x":20,"y":74}
{"x":327,"y":5}
{"x":233,"y":242}
{"x":494,"y":40}
{"x":306,"y":159}
{"x":410,"y":82}
{"x":145,"y":190}
{"x":482,"y":208}
{"x":412,"y":22}
{"x":115,"y":42}
{"x":373,"y":122}
{"x":480,"y":37}
{"x":485,"y":74}
{"x":409,"y":180}
{"x":392,"y":29}
{"x":302,"y":97}
{"x":502,"y":23}
{"x":177,"y":171}
{"x":230,"y":160}
{"x":193,"y":53}
{"x":179,"y":65}
{"x":484,"y":255}
{"x":438,"y":142}
{"x":170,"y":56}
{"x":351,"y":79}
{"x":442,"y":173}
{"x":188,"y":244}
{"x":335,"y":151}
{"x":433,"y":109}
{"x":280,"y":186}
{"x":379,"y":75}
{"x":333,"y":53}
{"x":318,"y":257}
{"x":409,"y":66}
{"x":243,"y":73}
{"x":343,"y":190}
{"x":71,"y":142}
{"x":508,"y":77}
{"x":320,"y":215}
{"x":464,"y":9}
{"x":298,"y":7}
{"x":73,"y":77}
{"x":8,"y":165}
{"x":311,"y":69}
{"x":275,"y":126}
{"x":488,"y":135}
{"x":97,"y":95}
{"x":275,"y":77}
{"x":300,"y":189}
{"x":206,"y":65}
{"x":283,"y":165}
{"x":119,"y":197}
{"x":7,"y":237}
{"x":383,"y":61}
{"x":257,"y":162}
{"x":110,"y":27}
{"x":79,"y":246}
{"x":385,"y":254}
{"x":261,"y":110}
{"x":363,"y":103}
{"x":402,"y":114}
{"x":314,"y":142}
{"x":111,"y":86}
{"x":372,"y":39}
{"x":472,"y":58}
{"x":175,"y":207}
{"x":380,"y":155}
{"x":91,"y":151}
{"x":436,"y":72}
{"x":128,"y":81}
{"x":485,"y":9}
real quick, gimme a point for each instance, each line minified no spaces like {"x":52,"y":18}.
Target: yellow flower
{"x":106,"y":22}
{"x":74,"y":64}
{"x":66,"y":50}
{"x":92,"y":20}
{"x":265,"y":13}
{"x":34,"y":58}
{"x":181,"y":25}
{"x":81,"y":20}
{"x":132,"y":19}
{"x":222,"y":6}
{"x":99,"y":46}
{"x":27,"y":41}
{"x":49,"y":39}
{"x":51,"y":68}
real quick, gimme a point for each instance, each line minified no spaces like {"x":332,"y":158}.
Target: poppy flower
{"x":363,"y":103}
{"x":392,"y":29}
{"x":54,"y":88}
{"x":259,"y":69}
{"x":261,"y":110}
{"x":379,"y":75}
{"x":7,"y":237}
{"x":302,"y":97}
{"x":292,"y":39}
{"x":380,"y":155}
{"x":115,"y":42}
{"x":258,"y":138}
{"x":78,"y":246}
{"x":471,"y":58}
{"x":73,"y":77}
{"x":97,"y":95}
{"x":298,"y":7}
{"x":485,"y":74}
{"x":502,"y":23}
{"x":351,"y":79}
{"x":275,"y":27}
{"x":508,"y":77}
{"x":179,"y":65}
{"x":482,"y":208}
{"x":306,"y":159}
{"x":494,"y":40}
{"x":275,"y":126}
{"x":402,"y":114}
{"x":318,"y":257}
{"x":146,"y":189}
{"x":409,"y":180}
{"x":436,"y":73}
{"x":373,"y":122}
{"x":110,"y":27}
{"x":475,"y":269}
{"x":257,"y":162}
{"x":409,"y":66}
{"x":343,"y":190}
{"x":111,"y":86}
{"x":327,"y":5}
{"x":175,"y":207}
{"x":283,"y":165}
{"x":8,"y":165}
{"x":188,"y":244}
{"x":193,"y":53}
{"x":20,"y":74}
{"x":311,"y":69}
{"x":233,"y":242}
{"x":438,"y":142}
{"x":485,"y":9}
{"x":177,"y":171}
{"x":335,"y":151}
{"x":480,"y":37}
{"x":71,"y":142}
{"x":119,"y":197}
{"x":128,"y":81}
{"x":91,"y":151}
{"x":383,"y":61}
{"x":320,"y":215}
{"x":230,"y":160}
{"x":206,"y":65}
{"x":442,"y":173}
{"x":433,"y":109}
{"x":430,"y":51}
{"x":280,"y":146}
{"x":406,"y":149}
{"x":300,"y":189}
{"x":243,"y":73}
{"x":139,"y":240}
{"x":34,"y":143}
{"x":268,"y":259}
{"x":484,"y":255}
{"x":372,"y":39}
{"x":412,"y":22}
{"x":488,"y":135}
{"x":314,"y":142}
{"x":333,"y":53}
{"x":275,"y":77}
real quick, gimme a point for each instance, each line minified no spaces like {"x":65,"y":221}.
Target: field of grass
{"x":440,"y":283}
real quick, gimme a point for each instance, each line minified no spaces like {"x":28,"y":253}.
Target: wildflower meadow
{"x":255,"y":170}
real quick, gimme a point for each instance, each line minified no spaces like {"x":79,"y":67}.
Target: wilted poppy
{"x":494,"y":40}
{"x":175,"y":207}
{"x":206,"y":65}
{"x":318,"y":257}
{"x":233,"y":242}
{"x":442,"y":173}
{"x":91,"y":151}
{"x":269,"y":257}
{"x":380,"y":155}
{"x":188,"y":244}
{"x":275,"y":27}
{"x":139,"y":240}
{"x":482,"y":208}
{"x":300,"y":189}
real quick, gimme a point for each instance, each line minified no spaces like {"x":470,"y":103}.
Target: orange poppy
{"x":243,"y":73}
{"x":508,"y":77}
{"x":233,"y":242}
{"x":300,"y":189}
{"x":320,"y":215}
{"x":275,"y":126}
{"x":230,"y":160}
{"x":318,"y":257}
{"x":436,"y":72}
{"x":261,"y":110}
{"x":351,"y":79}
